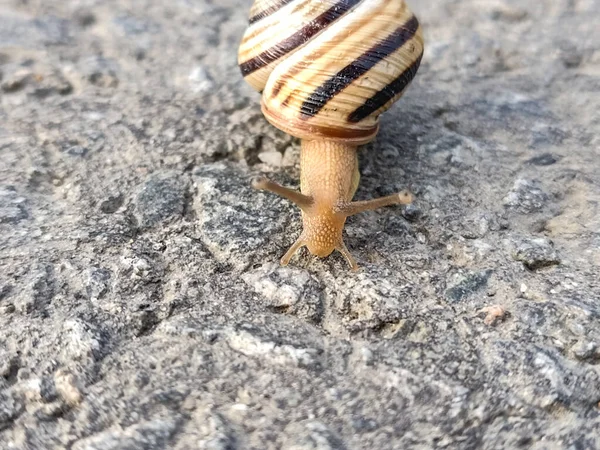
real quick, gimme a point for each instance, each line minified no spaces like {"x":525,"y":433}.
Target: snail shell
{"x":327,"y":69}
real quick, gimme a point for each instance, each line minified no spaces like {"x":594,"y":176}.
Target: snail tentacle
{"x":350,"y":209}
{"x":292,"y":250}
{"x":346,"y":253}
{"x":304,"y":202}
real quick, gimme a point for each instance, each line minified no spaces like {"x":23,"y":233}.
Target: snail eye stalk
{"x":350,"y":209}
{"x":304,"y":202}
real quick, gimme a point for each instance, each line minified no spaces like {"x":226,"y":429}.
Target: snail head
{"x":323,"y":220}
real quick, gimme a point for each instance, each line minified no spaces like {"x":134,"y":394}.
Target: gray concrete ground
{"x":141,"y":303}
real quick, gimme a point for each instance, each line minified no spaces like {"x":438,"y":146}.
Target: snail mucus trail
{"x":327,"y":69}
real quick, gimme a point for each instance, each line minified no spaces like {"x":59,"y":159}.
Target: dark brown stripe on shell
{"x":387,"y":93}
{"x":361,"y":65}
{"x":298,"y":38}
{"x":305,"y":64}
{"x":267,"y":12}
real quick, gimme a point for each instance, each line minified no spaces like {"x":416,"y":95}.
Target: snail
{"x":327,"y":69}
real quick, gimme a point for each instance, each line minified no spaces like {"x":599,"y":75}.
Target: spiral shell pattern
{"x":328,"y":68}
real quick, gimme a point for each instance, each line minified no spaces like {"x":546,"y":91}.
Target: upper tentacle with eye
{"x":327,"y":69}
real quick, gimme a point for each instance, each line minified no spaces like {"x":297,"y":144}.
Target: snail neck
{"x":329,"y":176}
{"x":328,"y":172}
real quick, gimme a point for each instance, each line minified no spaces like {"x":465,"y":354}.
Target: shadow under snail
{"x":326,"y":70}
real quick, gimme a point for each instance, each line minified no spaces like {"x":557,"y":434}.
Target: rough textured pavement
{"x":141,"y":303}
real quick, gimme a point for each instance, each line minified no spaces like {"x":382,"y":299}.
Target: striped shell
{"x":328,"y":68}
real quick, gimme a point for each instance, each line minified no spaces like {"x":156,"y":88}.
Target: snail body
{"x":327,"y":69}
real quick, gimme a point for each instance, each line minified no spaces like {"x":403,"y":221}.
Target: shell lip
{"x":303,"y":129}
